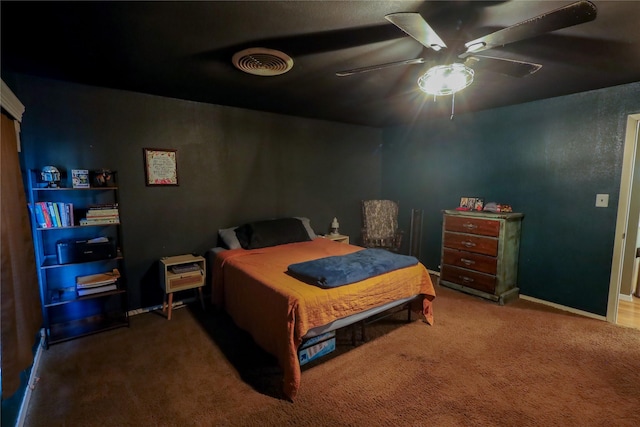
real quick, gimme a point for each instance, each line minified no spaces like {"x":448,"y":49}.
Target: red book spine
{"x":45,"y":212}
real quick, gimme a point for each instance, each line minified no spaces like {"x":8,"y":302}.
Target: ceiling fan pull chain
{"x":453,"y":104}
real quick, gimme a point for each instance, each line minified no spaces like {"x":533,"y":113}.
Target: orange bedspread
{"x":278,"y":310}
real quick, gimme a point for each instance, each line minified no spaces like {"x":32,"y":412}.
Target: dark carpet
{"x":480,"y":364}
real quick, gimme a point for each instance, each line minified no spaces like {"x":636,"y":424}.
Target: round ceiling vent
{"x":262,"y":62}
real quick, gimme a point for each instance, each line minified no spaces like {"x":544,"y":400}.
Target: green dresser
{"x":480,"y":253}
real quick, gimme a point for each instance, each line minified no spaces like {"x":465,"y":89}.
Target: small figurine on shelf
{"x":51,"y":175}
{"x":80,"y":178}
{"x":334,"y":226}
{"x":102,"y":178}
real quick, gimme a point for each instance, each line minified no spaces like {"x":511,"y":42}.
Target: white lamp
{"x":334,"y":226}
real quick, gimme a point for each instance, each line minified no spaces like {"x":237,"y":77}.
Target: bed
{"x":254,"y":287}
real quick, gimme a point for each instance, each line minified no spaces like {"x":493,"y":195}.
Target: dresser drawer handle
{"x":465,"y":279}
{"x":467,"y":261}
{"x":469,"y":226}
{"x":468,"y":244}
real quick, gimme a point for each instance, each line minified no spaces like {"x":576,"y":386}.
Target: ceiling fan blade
{"x":567,"y":16}
{"x":380,"y":67}
{"x":508,"y":67}
{"x":414,"y":24}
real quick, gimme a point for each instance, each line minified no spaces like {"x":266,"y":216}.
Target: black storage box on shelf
{"x":84,"y":250}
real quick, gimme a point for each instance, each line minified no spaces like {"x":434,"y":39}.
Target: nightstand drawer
{"x":472,"y":261}
{"x":175,"y":282}
{"x":468,"y":278}
{"x":471,"y":243}
{"x":483,"y":227}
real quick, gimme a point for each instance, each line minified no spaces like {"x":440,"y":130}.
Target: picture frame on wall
{"x":160,"y":166}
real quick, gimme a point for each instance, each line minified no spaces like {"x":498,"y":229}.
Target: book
{"x":69,"y":208}
{"x":52,"y":212}
{"x":96,"y":284}
{"x":62,"y":210}
{"x":102,"y":213}
{"x":97,"y":290}
{"x":103,"y":206}
{"x":99,"y":221}
{"x":103,"y":210}
{"x":56,"y":213}
{"x":45,"y":212}
{"x":101,"y":218}
{"x":40,"y":219}
{"x":97,"y":280}
{"x":80,"y":178}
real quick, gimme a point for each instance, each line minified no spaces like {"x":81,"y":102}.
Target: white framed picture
{"x":160,"y":166}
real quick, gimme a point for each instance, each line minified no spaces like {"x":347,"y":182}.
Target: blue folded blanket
{"x":334,"y":271}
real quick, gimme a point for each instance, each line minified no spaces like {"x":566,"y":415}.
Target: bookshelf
{"x":66,"y":251}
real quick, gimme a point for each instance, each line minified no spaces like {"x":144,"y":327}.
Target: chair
{"x":380,"y":225}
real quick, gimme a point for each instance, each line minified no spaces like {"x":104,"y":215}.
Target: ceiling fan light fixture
{"x":445,"y":79}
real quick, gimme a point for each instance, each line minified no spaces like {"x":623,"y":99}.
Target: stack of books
{"x":102,"y":214}
{"x":53,"y":214}
{"x":97,"y":283}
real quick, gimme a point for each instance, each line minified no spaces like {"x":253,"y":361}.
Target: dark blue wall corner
{"x":548,"y":159}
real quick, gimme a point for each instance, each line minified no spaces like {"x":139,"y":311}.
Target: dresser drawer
{"x":483,"y":227}
{"x":480,"y":253}
{"x":470,"y":260}
{"x":468,"y":278}
{"x":471,"y":243}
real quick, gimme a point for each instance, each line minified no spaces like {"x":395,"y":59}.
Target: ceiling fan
{"x":454,"y":70}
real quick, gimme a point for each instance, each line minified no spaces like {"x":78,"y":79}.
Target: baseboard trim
{"x":628,"y":298}
{"x":435,"y":273}
{"x":176,"y":305}
{"x":564,"y":308}
{"x":31,"y":385}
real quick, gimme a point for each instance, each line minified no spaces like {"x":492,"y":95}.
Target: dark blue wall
{"x":548,"y":159}
{"x":234,"y":166}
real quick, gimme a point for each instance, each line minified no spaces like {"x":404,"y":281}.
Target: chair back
{"x":380,"y":218}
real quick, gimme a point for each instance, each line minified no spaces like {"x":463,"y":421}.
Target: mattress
{"x":279,"y":311}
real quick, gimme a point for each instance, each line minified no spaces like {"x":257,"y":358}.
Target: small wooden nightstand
{"x":337,"y":238}
{"x":178,"y":273}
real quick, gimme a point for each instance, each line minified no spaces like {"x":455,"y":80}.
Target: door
{"x":626,"y":235}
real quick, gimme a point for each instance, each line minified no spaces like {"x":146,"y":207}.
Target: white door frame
{"x":630,"y":167}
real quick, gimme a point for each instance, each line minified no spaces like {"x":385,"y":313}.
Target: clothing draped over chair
{"x":380,"y":225}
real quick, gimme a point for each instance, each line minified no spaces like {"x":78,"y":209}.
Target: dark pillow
{"x":262,"y":234}
{"x":243,"y":235}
